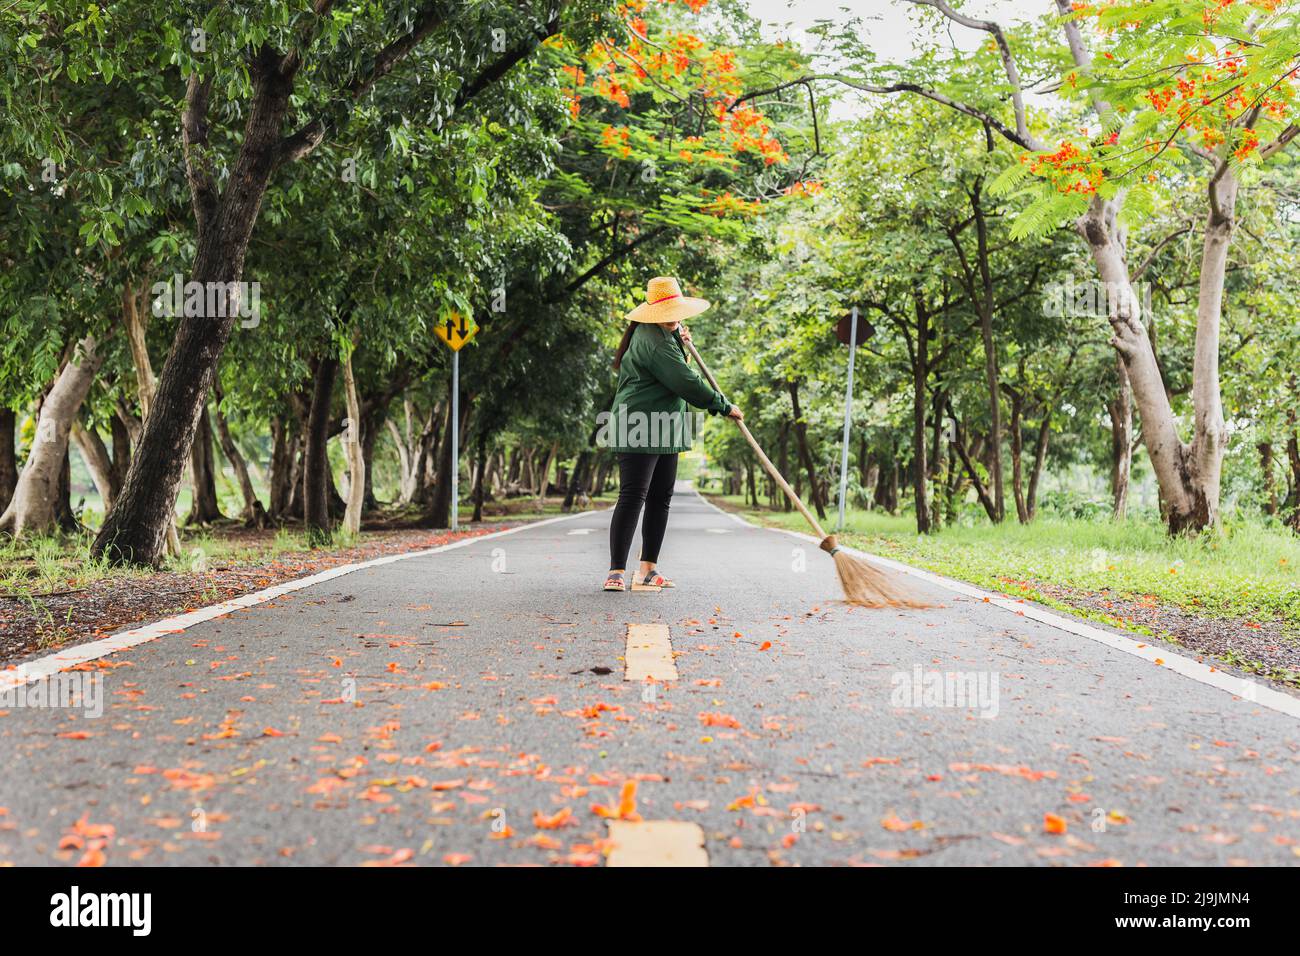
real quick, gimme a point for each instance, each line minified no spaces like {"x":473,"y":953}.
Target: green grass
{"x":38,"y":566}
{"x":44,"y":564}
{"x":1245,"y":571}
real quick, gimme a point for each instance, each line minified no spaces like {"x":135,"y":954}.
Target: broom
{"x":863,"y":583}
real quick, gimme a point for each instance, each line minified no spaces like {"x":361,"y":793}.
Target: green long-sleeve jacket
{"x":654,"y":386}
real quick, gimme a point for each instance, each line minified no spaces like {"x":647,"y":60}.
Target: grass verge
{"x":1233,"y":596}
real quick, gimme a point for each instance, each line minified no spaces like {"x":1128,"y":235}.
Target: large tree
{"x":1171,"y":108}
{"x":264,"y":85}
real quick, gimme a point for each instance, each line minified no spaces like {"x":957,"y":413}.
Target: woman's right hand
{"x":736,"y":413}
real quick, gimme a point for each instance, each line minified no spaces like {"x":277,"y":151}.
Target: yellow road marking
{"x":649,"y":654}
{"x":656,"y":843}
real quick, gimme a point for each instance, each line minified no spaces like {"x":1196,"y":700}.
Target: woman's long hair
{"x":622,"y":345}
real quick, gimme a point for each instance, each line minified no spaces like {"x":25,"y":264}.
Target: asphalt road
{"x":439,"y":709}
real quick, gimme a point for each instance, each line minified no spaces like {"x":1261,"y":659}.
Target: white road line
{"x":51,"y":664}
{"x":656,"y":843}
{"x":1248,"y":690}
{"x":649,"y":654}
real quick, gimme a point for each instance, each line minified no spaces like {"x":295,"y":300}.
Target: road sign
{"x":455,"y":330}
{"x":455,"y":436}
{"x":844,"y":329}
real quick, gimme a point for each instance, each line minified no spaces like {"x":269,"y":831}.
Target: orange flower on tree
{"x":653,"y":58}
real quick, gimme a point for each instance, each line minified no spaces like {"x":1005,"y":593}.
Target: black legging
{"x":643,"y":479}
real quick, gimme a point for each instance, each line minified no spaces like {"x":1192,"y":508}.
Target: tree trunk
{"x":529,"y":474}
{"x":602,"y":476}
{"x":959,"y":444}
{"x":1265,"y":450}
{"x":1040,"y":456}
{"x":296,"y":472}
{"x":1203,"y":458}
{"x":936,"y":462}
{"x":995,"y":421}
{"x":544,"y":480}
{"x":8,"y":456}
{"x":880,"y":496}
{"x":204,"y":509}
{"x":135,"y":321}
{"x":34,"y":505}
{"x":479,"y":475}
{"x":783,"y":458}
{"x":253,"y":515}
{"x":98,"y":462}
{"x":920,"y":372}
{"x":984,"y":303}
{"x":124,"y":417}
{"x":805,"y":455}
{"x":1188,"y":474}
{"x":371,"y":423}
{"x":405,"y":464}
{"x":136,"y":528}
{"x":430,"y":447}
{"x":282,"y":461}
{"x":1293,"y":459}
{"x":317,"y":480}
{"x":1017,"y":448}
{"x":577,"y":486}
{"x":120,"y":433}
{"x":1293,"y":454}
{"x":1120,"y":409}
{"x":496,"y":473}
{"x":64,"y":517}
{"x":353,"y":447}
{"x":868,"y":474}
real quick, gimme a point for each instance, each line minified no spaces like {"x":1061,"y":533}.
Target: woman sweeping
{"x":650,"y":425}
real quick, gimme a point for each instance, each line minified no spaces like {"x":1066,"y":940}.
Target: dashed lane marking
{"x":649,"y":654}
{"x":656,"y":843}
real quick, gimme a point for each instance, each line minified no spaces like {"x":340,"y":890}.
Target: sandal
{"x":615,"y":582}
{"x":656,"y":580}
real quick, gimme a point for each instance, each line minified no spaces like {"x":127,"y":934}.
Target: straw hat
{"x":664,"y":302}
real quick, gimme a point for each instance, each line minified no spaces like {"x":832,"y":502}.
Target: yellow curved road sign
{"x":455,"y":330}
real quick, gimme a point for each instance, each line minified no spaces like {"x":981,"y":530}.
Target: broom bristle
{"x":866,"y":585}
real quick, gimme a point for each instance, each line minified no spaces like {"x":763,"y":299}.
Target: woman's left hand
{"x":686,"y":333}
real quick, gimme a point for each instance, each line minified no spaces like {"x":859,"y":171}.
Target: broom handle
{"x":753,"y":443}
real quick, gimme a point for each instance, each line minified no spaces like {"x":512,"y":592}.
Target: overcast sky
{"x":891,"y":35}
{"x":892,"y":30}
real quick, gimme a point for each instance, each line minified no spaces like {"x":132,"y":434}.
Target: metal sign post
{"x":455,"y":439}
{"x":455,"y":331}
{"x":848,"y":415}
